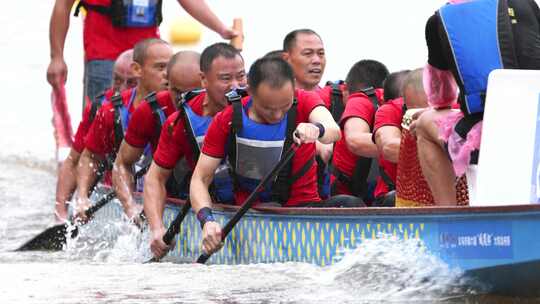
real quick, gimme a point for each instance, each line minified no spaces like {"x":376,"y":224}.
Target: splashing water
{"x":103,"y":264}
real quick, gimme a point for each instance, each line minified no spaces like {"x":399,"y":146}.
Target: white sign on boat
{"x":508,"y":172}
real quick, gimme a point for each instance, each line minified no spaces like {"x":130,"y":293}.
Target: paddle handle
{"x":251,"y":198}
{"x":238,"y":41}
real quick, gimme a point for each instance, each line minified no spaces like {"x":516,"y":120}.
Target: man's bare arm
{"x":155,"y":194}
{"x":58,"y":28}
{"x":201,"y":180}
{"x":358,"y":138}
{"x":122,"y":175}
{"x":388,"y":140}
{"x":200,"y":10}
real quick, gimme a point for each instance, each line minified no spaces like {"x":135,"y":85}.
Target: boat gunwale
{"x":375,"y":211}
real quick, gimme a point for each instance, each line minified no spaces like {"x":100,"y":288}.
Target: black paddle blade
{"x":203,"y":258}
{"x":52,"y":239}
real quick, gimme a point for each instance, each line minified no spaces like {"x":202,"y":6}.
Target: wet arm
{"x":87,"y":172}
{"x":155,"y":194}
{"x":122,"y":175}
{"x":388,"y":139}
{"x":201,"y":180}
{"x":358,"y":138}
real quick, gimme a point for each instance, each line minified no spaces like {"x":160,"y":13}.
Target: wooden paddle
{"x":55,"y":237}
{"x":238,"y":41}
{"x":251,"y":199}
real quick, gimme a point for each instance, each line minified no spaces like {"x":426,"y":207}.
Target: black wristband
{"x":321,"y":128}
{"x":205,"y":215}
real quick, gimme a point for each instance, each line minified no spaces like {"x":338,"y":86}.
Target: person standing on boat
{"x":111,"y":27}
{"x":150,"y":57}
{"x":144,"y":127}
{"x":252,"y":135}
{"x":354,"y":153}
{"x":222,"y":69}
{"x":466,"y":41}
{"x":123,"y":79}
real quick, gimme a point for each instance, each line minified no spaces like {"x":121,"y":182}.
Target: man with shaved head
{"x":123,"y":78}
{"x":150,"y":59}
{"x":183,"y":75}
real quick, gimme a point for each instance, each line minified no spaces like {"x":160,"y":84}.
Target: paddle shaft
{"x":174,"y":228}
{"x":251,"y":199}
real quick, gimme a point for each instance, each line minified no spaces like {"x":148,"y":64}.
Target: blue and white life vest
{"x":124,"y":116}
{"x":480,"y":37}
{"x":196,"y":127}
{"x":258,"y":149}
{"x":254,"y":149}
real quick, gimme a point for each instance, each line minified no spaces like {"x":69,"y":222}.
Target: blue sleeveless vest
{"x":259,"y":148}
{"x":472,"y":31}
{"x":222,"y":182}
{"x":146,"y":158}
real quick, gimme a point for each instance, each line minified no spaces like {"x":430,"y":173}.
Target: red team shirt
{"x":84,"y":125}
{"x":103,"y":41}
{"x":326,"y":94}
{"x":100,"y":137}
{"x":173,"y":142}
{"x":358,"y":105}
{"x":142,"y":127}
{"x":389,"y":114}
{"x":304,"y":189}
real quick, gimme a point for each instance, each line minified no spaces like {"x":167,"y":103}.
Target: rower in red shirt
{"x":387,"y":137}
{"x":304,"y":50}
{"x":222,"y":69}
{"x":263,"y":128}
{"x":123,"y":79}
{"x":351,"y":161}
{"x":150,"y":58}
{"x":142,"y":135}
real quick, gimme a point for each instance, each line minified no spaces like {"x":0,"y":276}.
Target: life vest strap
{"x":336,"y":100}
{"x":117,"y":103}
{"x":157,"y":111}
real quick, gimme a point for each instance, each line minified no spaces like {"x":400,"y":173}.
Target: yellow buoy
{"x":185,"y":30}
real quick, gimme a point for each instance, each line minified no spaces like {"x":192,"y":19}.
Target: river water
{"x":104,"y":265}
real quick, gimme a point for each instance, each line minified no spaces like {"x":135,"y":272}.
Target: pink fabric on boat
{"x":459,"y":149}
{"x":63,"y":132}
{"x":440,"y":86}
{"x":442,"y":92}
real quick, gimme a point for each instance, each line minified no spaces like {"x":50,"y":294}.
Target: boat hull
{"x":493,"y":244}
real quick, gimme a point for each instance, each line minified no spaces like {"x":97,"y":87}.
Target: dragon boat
{"x":495,"y":245}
